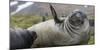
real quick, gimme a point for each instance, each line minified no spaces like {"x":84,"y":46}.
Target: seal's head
{"x":77,"y":18}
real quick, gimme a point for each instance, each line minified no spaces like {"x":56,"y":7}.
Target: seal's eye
{"x":76,"y":19}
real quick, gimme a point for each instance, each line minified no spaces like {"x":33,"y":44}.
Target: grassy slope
{"x":25,"y":21}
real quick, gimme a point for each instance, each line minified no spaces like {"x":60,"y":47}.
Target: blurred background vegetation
{"x":26,"y":21}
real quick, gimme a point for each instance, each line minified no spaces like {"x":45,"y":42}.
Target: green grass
{"x":92,"y":37}
{"x":28,"y":21}
{"x":25,"y":21}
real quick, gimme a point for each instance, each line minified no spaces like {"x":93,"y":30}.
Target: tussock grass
{"x":25,"y":21}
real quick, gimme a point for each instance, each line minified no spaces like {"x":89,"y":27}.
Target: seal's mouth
{"x":76,"y":20}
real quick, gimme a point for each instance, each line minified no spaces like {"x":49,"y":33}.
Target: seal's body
{"x":70,"y":30}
